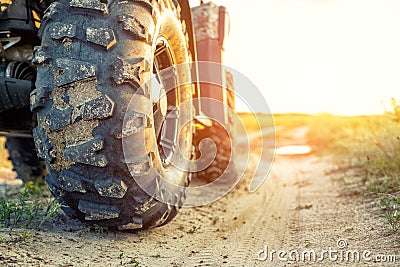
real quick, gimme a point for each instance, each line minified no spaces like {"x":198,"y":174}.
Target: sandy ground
{"x":300,"y":208}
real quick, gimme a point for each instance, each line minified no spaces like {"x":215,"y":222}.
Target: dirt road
{"x":299,"y":208}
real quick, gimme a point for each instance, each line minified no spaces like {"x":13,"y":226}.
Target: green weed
{"x":391,"y":205}
{"x":16,"y":238}
{"x":30,"y":206}
{"x":366,"y":150}
{"x":129,"y":262}
{"x":370,"y":146}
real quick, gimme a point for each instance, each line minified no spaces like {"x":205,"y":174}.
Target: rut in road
{"x":299,"y":206}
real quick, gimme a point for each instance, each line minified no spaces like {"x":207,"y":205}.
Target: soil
{"x":301,"y":207}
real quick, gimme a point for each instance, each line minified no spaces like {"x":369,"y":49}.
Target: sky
{"x":314,"y":56}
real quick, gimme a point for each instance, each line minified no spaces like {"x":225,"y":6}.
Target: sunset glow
{"x":341,"y":57}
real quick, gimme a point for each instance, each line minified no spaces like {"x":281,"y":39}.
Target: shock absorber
{"x":16,"y":82}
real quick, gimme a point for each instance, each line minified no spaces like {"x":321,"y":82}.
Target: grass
{"x":255,"y":122}
{"x":366,"y":150}
{"x":27,"y":206}
{"x":391,"y":205}
{"x":130,"y":262}
{"x":327,"y":132}
{"x":17,"y":238}
{"x":30,"y":206}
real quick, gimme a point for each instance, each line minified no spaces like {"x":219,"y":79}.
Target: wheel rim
{"x":165,"y":101}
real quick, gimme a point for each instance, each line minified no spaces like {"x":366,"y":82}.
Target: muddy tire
{"x":219,"y":165}
{"x":22,"y":154}
{"x":94,"y":59}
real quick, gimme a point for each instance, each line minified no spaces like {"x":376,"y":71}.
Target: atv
{"x":76,"y":103}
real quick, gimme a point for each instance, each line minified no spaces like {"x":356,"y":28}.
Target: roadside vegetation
{"x":366,"y":150}
{"x":23,"y":208}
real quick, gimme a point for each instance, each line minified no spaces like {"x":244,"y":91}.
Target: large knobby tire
{"x":221,"y":140}
{"x":94,"y":57}
{"x":23,"y":156}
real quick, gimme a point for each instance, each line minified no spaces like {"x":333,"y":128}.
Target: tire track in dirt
{"x":298,"y":207}
{"x":257,"y":218}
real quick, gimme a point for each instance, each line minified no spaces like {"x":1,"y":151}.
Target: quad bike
{"x":68,"y":73}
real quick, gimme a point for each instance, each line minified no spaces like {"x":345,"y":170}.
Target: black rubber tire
{"x":23,"y":156}
{"x":223,"y":157}
{"x":93,"y":58}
